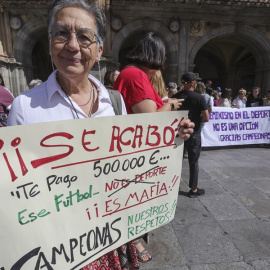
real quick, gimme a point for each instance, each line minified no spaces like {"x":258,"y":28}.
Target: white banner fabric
{"x":73,"y":190}
{"x":230,"y":126}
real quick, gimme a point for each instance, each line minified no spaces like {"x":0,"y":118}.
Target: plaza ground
{"x":229,"y":227}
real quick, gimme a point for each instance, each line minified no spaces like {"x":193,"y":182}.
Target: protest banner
{"x":231,"y":126}
{"x":73,"y":190}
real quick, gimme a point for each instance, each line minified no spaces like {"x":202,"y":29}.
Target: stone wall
{"x":186,"y":26}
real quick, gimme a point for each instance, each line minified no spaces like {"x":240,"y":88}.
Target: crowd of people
{"x":223,"y":98}
{"x":218,"y":97}
{"x":76,"y":33}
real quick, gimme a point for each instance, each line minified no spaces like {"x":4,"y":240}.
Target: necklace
{"x":88,"y":99}
{"x":93,"y":101}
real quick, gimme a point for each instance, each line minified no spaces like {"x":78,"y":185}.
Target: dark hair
{"x":209,"y":90}
{"x":2,"y":80}
{"x":256,"y":88}
{"x":226,"y":93}
{"x":93,"y":9}
{"x":149,"y":52}
{"x":108,"y":77}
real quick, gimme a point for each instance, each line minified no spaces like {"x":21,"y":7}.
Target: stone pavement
{"x":229,"y":227}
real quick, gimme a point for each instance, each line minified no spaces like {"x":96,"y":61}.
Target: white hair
{"x":34,"y":82}
{"x":95,"y":10}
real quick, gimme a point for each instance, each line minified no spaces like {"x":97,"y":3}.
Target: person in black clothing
{"x":198,"y":113}
{"x":254,"y":99}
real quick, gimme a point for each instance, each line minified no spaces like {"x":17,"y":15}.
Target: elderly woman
{"x":172,"y":89}
{"x":76,"y":31}
{"x":35,"y":83}
{"x":240,"y":101}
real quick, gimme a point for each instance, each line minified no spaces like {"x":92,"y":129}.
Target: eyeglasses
{"x":242,"y":94}
{"x":85,"y":36}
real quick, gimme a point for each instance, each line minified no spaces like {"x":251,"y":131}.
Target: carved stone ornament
{"x":116,"y":23}
{"x":196,"y":28}
{"x":15,"y":23}
{"x":174,"y":25}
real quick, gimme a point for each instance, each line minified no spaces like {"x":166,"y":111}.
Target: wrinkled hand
{"x":186,"y":128}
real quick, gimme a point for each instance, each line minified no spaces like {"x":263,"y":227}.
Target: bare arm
{"x":205,"y":116}
{"x":148,"y":105}
{"x":220,"y":101}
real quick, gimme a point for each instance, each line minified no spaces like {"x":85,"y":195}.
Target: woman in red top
{"x":134,"y":83}
{"x":139,"y":94}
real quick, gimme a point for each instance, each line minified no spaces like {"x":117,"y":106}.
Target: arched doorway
{"x":240,"y":57}
{"x":31,"y":49}
{"x":41,"y":62}
{"x":227,"y":63}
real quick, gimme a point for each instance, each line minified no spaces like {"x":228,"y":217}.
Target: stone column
{"x":99,"y":70}
{"x":183,"y":49}
{"x":266,"y":80}
{"x":107,"y":41}
{"x":5,"y":34}
{"x":107,"y":44}
{"x":101,"y":2}
{"x":7,"y":61}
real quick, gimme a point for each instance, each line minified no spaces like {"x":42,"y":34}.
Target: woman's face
{"x":241,"y":95}
{"x":70,"y":58}
{"x":255,"y":92}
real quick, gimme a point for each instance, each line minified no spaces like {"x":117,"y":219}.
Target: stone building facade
{"x":226,"y":41}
